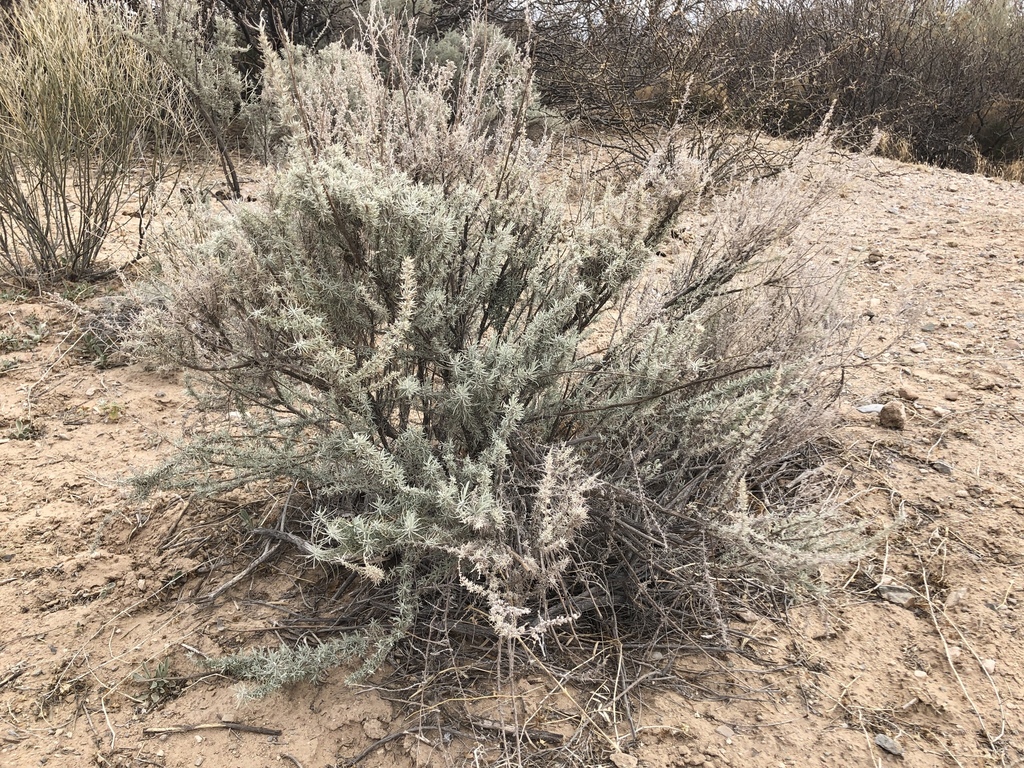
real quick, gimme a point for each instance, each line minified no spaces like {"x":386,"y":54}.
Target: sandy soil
{"x":922,"y":651}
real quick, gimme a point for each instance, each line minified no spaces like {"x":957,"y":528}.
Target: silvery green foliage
{"x":456,"y":357}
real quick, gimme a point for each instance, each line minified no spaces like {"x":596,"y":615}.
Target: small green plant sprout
{"x":111,"y":411}
{"x":160,"y":685}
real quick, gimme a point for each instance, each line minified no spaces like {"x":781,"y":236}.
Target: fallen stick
{"x":210,"y":727}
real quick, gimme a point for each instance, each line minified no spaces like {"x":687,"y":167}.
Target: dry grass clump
{"x":79,"y":107}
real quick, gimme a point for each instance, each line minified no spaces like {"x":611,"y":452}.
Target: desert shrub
{"x":453,"y":356}
{"x":198,"y":50}
{"x":944,"y":76}
{"x":78,"y":107}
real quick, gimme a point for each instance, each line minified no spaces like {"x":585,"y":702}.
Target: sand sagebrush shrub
{"x":456,"y":360}
{"x":79,"y":102}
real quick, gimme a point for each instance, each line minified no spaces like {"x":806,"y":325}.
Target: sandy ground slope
{"x":98,"y":621}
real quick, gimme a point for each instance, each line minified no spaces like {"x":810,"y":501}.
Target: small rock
{"x":229,"y":718}
{"x":929,"y":327}
{"x":951,"y":396}
{"x":989,"y":665}
{"x":919,"y":347}
{"x":870,"y":408}
{"x":875,"y":257}
{"x":942,"y":468}
{"x":622,"y":760}
{"x":657,"y":655}
{"x":941,"y":412}
{"x":142,"y":585}
{"x":955,"y":652}
{"x":726,"y":731}
{"x":954,"y":597}
{"x":374,"y":729}
{"x":893,"y":415}
{"x":900,"y":596}
{"x":199,"y":761}
{"x":908,"y":394}
{"x":889,"y":745}
{"x":920,"y":673}
{"x":747,"y":616}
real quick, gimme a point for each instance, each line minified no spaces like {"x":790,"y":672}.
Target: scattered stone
{"x":955,"y":652}
{"x":929,"y":327}
{"x":951,"y":396}
{"x":870,"y":408}
{"x":942,"y":468}
{"x":920,"y":673}
{"x":989,"y":665}
{"x":941,"y":412}
{"x":229,"y":718}
{"x":374,"y":729}
{"x":918,"y":347}
{"x":893,"y":415}
{"x":657,"y":655}
{"x":954,"y":597}
{"x":888,"y":744}
{"x":622,"y":760}
{"x":726,"y":731}
{"x":908,"y":394}
{"x":748,"y":616}
{"x":897,"y":595}
{"x":875,"y":257}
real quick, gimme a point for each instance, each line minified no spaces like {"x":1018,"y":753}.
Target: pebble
{"x":955,"y":651}
{"x":989,"y":665}
{"x":622,"y":760}
{"x":906,"y":393}
{"x":870,"y":408}
{"x":920,"y":673}
{"x":726,"y":731}
{"x":942,"y":468}
{"x":919,"y":347}
{"x":374,"y":729}
{"x":940,"y":411}
{"x":951,"y":396}
{"x":900,"y":596}
{"x":893,"y":415}
{"x":929,"y":327}
{"x":888,"y":744}
{"x":954,"y":597}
